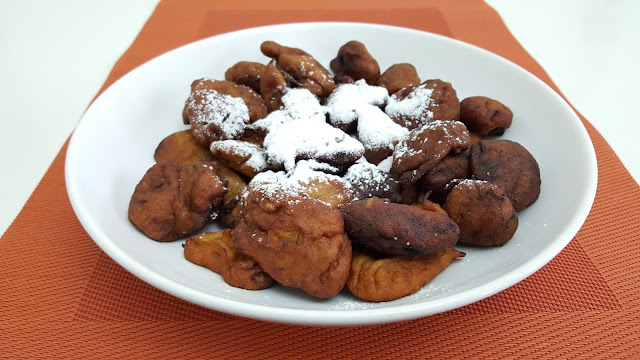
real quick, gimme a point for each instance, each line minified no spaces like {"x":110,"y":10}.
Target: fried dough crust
{"x":172,"y":201}
{"x":388,"y":279}
{"x":216,"y":252}
{"x":297,"y":240}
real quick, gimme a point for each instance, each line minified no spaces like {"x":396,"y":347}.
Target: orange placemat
{"x":62,"y":297}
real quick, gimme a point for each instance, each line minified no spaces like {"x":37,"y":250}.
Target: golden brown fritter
{"x":425,"y":146}
{"x":297,"y":240}
{"x":398,"y":229}
{"x":483,"y":212}
{"x":392,"y":278}
{"x":230,"y":210}
{"x":181,"y":148}
{"x":328,"y":189}
{"x":215,"y":251}
{"x":508,"y":165}
{"x":353,"y":60}
{"x":485,"y":116}
{"x":398,"y":77}
{"x":272,"y":87}
{"x":172,"y":201}
{"x":306,"y":70}
{"x":414,"y":106}
{"x":247,"y":73}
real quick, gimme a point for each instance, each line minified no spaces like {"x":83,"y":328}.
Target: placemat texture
{"x":62,"y":297}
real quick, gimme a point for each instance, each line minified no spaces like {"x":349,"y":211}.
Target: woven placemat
{"x":62,"y":297}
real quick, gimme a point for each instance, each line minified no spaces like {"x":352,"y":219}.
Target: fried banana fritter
{"x":172,"y":201}
{"x":483,"y":212}
{"x":247,"y":73}
{"x":508,"y":165}
{"x":353,"y":60}
{"x":181,"y":148}
{"x":398,"y":77}
{"x":216,"y":252}
{"x":306,"y":70}
{"x":297,"y":240}
{"x":485,"y":116}
{"x":425,"y":146}
{"x":392,"y":278}
{"x":398,"y":229}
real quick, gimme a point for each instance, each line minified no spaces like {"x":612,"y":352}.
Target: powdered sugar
{"x":228,"y":114}
{"x":254,"y":154}
{"x":376,"y":130}
{"x":298,"y":104}
{"x":308,"y":139}
{"x":344,"y":102}
{"x":414,"y":108}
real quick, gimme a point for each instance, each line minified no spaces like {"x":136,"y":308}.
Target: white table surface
{"x":55,"y":55}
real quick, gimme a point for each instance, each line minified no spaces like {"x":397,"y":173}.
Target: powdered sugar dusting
{"x":316,"y":140}
{"x":254,"y":154}
{"x":376,"y":130}
{"x":298,"y":104}
{"x":413,"y":108}
{"x":224,"y":112}
{"x":344,"y":102}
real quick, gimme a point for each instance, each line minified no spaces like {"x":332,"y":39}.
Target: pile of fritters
{"x":330,"y":179}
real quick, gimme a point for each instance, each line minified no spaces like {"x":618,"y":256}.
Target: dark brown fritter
{"x":215,"y":251}
{"x":485,"y":116}
{"x":398,"y":229}
{"x":438,"y":101}
{"x":246,"y":73}
{"x":425,"y":146}
{"x":453,"y":166}
{"x":297,"y":240}
{"x":387,"y":279}
{"x":367,"y":180}
{"x":398,"y":77}
{"x":508,"y":165}
{"x":181,"y":148}
{"x":483,"y":212}
{"x":172,"y":201}
{"x":306,"y":70}
{"x":253,"y":100}
{"x":354,"y":61}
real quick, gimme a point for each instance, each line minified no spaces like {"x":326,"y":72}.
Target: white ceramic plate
{"x":113,"y":146}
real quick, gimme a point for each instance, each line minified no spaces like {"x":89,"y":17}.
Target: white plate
{"x":113,"y":146}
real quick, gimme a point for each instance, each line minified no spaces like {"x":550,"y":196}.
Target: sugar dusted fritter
{"x":306,"y":70}
{"x":181,"y":148}
{"x":483,"y":212}
{"x":415,"y":106}
{"x":388,"y":279}
{"x":172,"y":201}
{"x":425,"y":146}
{"x":398,"y":77}
{"x":297,"y":240}
{"x":355,"y":61}
{"x":216,"y":252}
{"x":244,"y":157}
{"x":485,"y":116}
{"x":220,"y":110}
{"x":247,"y":73}
{"x":508,"y":165}
{"x":398,"y":229}
{"x":367,"y":180}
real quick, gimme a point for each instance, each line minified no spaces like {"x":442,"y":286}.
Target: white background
{"x":55,"y":56}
